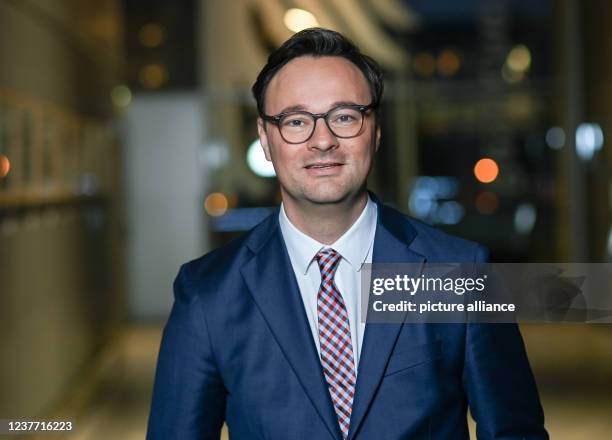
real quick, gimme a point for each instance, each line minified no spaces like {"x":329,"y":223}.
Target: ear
{"x":263,"y":138}
{"x":377,"y":138}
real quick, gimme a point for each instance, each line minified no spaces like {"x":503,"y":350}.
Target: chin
{"x":325,"y":200}
{"x":327,"y":195}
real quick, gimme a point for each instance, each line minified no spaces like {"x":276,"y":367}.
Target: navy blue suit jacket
{"x":237,"y":348}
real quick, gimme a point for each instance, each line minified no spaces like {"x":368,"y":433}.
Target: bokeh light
{"x":589,"y":139}
{"x":524,"y":218}
{"x":5,"y":165}
{"x":555,"y":138}
{"x":448,"y":62}
{"x":519,"y":59}
{"x":487,"y":202}
{"x":153,"y":76}
{"x":151,"y":35}
{"x":216,"y":204}
{"x":257,"y":161}
{"x":297,"y":20}
{"x":449,"y":213}
{"x":424,"y":64}
{"x":517,"y":64}
{"x":486,"y":170}
{"x":121,"y":96}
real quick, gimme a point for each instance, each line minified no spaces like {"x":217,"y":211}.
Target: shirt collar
{"x":354,"y":245}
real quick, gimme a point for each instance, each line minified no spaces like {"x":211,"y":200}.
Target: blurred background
{"x":128,"y":146}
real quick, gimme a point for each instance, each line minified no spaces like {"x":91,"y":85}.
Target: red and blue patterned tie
{"x":335,"y":340}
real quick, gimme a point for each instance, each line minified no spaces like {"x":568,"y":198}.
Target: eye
{"x":345,"y":117}
{"x":295,"y":121}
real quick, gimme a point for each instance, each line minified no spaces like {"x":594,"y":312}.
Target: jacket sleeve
{"x":188,"y":396}
{"x":498,"y":381}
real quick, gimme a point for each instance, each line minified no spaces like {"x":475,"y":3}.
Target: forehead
{"x":316,"y":83}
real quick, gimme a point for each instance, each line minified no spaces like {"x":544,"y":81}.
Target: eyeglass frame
{"x":315,"y":116}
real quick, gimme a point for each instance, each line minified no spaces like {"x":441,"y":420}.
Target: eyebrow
{"x":302,"y":108}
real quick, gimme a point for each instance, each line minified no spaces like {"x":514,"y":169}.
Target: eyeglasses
{"x":344,"y":121}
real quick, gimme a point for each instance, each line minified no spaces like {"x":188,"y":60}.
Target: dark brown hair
{"x":318,"y":42}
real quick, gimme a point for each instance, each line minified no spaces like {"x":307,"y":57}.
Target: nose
{"x":322,"y":138}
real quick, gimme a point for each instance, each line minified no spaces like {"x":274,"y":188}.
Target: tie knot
{"x":328,"y":260}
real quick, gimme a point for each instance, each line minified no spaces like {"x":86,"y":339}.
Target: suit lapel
{"x":391,"y":245}
{"x":271,"y":281}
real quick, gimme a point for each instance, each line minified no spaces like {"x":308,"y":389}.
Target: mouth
{"x":322,"y":166}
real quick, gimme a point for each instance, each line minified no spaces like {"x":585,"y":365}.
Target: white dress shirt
{"x":355,"y":246}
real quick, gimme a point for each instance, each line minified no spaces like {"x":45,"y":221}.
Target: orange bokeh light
{"x":486,"y":170}
{"x":487,"y":202}
{"x":5,"y":165}
{"x":448,"y":62}
{"x":216,"y":204}
{"x":424,"y":64}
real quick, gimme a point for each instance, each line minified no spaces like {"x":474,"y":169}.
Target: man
{"x":265,"y":332}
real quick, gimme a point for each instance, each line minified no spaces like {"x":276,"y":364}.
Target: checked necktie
{"x":335,"y":340}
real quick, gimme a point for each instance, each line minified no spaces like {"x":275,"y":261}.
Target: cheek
{"x":285,"y":163}
{"x":365,"y":157}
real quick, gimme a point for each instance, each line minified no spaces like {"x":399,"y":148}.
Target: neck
{"x":325,"y":222}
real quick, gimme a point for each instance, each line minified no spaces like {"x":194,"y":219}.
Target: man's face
{"x":325,"y":169}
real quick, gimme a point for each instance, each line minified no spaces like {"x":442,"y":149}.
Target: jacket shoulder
{"x":206,"y":273}
{"x":435,"y":244}
{"x":442,"y":246}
